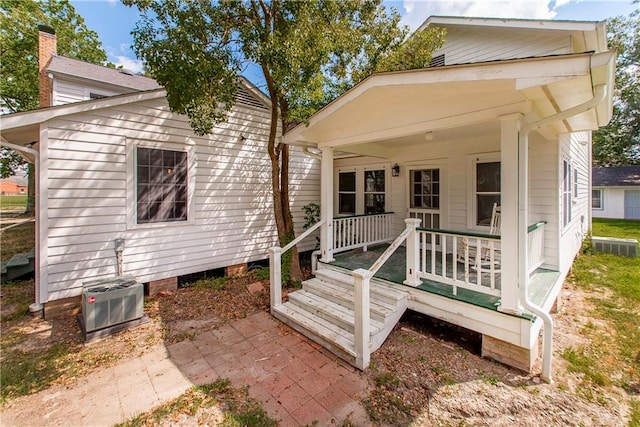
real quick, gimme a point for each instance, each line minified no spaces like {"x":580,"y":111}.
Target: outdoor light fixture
{"x":395,"y":170}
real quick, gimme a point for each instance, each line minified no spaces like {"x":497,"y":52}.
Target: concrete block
{"x":235,"y":269}
{"x":168,"y":284}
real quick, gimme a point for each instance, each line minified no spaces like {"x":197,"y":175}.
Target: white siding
{"x":467,"y":45}
{"x":68,"y":91}
{"x":571,"y":236}
{"x":612,"y":203}
{"x":544,"y":193}
{"x":88,"y":201}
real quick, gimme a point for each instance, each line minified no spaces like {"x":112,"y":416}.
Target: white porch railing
{"x":462,"y":260}
{"x":275,"y":265}
{"x":359,"y":231}
{"x":535,"y":240}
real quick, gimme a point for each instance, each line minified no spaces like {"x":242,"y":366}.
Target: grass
{"x":16,"y":297}
{"x":618,"y":228}
{"x":13,"y":202}
{"x":27,"y":372}
{"x":19,"y":239}
{"x":236,"y":408}
{"x":612,"y":355}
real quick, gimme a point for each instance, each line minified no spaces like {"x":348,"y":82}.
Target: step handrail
{"x":301,"y":237}
{"x":275,"y":265}
{"x":389,"y":251}
{"x":361,"y":287}
{"x":17,"y":224}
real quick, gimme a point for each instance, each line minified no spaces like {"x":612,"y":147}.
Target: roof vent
{"x":127,"y":72}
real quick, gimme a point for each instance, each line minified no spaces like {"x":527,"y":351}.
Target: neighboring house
{"x":14,"y":186}
{"x":615,"y":192}
{"x":504,"y":116}
{"x":124,"y":169}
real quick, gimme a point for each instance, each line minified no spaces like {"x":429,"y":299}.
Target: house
{"x":615,"y":192}
{"x":419,"y":158}
{"x":125,"y":187}
{"x":14,"y":186}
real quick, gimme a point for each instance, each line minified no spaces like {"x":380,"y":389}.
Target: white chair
{"x":468,"y":247}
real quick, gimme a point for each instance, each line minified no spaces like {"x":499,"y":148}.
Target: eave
{"x":392,"y":105}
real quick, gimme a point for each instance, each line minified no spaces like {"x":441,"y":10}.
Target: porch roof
{"x":398,"y":104}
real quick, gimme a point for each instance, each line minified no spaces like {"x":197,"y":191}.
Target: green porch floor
{"x":540,"y":284}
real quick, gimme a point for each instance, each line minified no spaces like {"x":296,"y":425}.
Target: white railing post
{"x":275,"y":276}
{"x":362,"y":322}
{"x":413,"y":246}
{"x":326,"y":205}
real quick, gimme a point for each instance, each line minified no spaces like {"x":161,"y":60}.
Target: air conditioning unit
{"x":611,"y":245}
{"x":111,"y":302}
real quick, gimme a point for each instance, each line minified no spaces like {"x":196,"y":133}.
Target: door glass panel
{"x":425,"y":188}
{"x":347,"y":193}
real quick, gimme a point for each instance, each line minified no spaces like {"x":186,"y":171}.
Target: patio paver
{"x":298,"y":382}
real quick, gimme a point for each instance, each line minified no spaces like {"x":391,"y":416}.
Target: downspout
{"x":36,"y":306}
{"x":523,"y":201}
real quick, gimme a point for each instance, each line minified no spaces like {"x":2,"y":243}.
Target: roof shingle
{"x":616,"y":176}
{"x":101,"y":74}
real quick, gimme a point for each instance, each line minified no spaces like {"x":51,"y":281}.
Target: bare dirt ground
{"x":427,"y":373}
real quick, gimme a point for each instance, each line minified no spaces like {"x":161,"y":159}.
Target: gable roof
{"x":590,"y":35}
{"x":74,"y":68}
{"x":23,"y":127}
{"x":616,"y":176}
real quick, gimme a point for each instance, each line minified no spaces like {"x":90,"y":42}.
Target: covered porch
{"x":406,"y":190}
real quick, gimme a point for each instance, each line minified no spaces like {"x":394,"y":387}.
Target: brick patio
{"x":298,"y":382}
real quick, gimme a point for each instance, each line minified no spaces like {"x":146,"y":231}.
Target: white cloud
{"x":417,"y":11}
{"x":132,"y":64}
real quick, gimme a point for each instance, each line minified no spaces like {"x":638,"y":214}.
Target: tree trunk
{"x":295,"y":271}
{"x":31,"y":190}
{"x":279,"y":156}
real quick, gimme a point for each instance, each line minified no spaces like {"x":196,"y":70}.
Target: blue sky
{"x":113,"y":22}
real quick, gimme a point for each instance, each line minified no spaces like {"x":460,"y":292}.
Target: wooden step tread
{"x":335,"y":335}
{"x":342,"y":314}
{"x":381,"y":308}
{"x":348,"y":279}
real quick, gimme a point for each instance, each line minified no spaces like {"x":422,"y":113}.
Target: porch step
{"x":335,"y":339}
{"x":379,"y":290}
{"x":337,"y":314}
{"x":343,"y":295}
{"x":323,"y":311}
{"x":20,"y":265}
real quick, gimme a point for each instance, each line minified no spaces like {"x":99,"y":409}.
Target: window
{"x":347,"y":193}
{"x":374,"y":192}
{"x":425,"y":188}
{"x":567,"y":191}
{"x":596,"y":199}
{"x":575,"y":184}
{"x":487,"y":191}
{"x":161,"y":185}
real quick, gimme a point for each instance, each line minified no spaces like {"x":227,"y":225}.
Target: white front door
{"x":426,"y":195}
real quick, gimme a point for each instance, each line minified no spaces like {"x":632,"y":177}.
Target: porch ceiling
{"x":404,"y":104}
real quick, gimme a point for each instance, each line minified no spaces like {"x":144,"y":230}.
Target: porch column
{"x":326,"y":205}
{"x":510,"y":126}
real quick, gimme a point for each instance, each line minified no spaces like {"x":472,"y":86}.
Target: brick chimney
{"x":47,"y":46}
